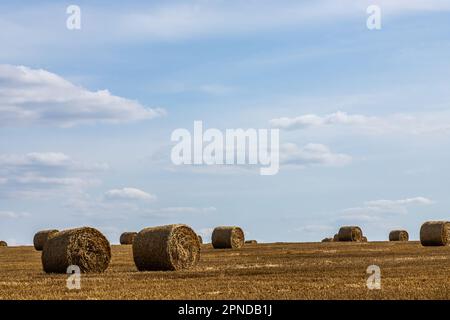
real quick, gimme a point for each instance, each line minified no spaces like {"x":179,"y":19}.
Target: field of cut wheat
{"x":256,"y":271}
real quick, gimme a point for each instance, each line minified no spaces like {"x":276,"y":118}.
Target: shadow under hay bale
{"x":3,"y":244}
{"x":171,"y":247}
{"x":251,"y":242}
{"x":327,"y":240}
{"x":435,"y":233}
{"x":350,"y":233}
{"x":41,"y":237}
{"x":227,"y":237}
{"x":398,"y":235}
{"x":84,"y":247}
{"x":127,"y":238}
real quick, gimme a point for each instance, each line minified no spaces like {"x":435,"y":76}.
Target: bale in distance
{"x":364,"y":239}
{"x":350,"y":233}
{"x":84,"y":247}
{"x":336,"y":238}
{"x":127,"y":237}
{"x":41,"y":237}
{"x":3,"y":244}
{"x":227,"y":237}
{"x":398,"y":235}
{"x":327,"y":240}
{"x":170,"y":247}
{"x":200,"y":239}
{"x":251,"y":242}
{"x":435,"y":233}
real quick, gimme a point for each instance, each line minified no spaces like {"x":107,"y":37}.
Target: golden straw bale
{"x":171,"y":247}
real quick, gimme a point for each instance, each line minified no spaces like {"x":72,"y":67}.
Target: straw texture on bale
{"x":336,"y":238}
{"x":127,"y":237}
{"x":251,"y":241}
{"x":3,"y":244}
{"x":200,"y":239}
{"x":228,"y":237}
{"x":171,"y":247}
{"x":84,"y":247}
{"x":435,"y":233}
{"x":327,"y":240}
{"x":41,"y":237}
{"x":350,"y":233}
{"x":398,"y":235}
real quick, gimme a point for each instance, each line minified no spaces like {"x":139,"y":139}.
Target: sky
{"x":86,"y":115}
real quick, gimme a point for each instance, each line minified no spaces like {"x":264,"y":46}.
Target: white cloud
{"x":36,"y":96}
{"x":421,"y":123}
{"x":36,"y":30}
{"x":181,"y":20}
{"x":44,"y":174}
{"x":126,"y":203}
{"x":402,"y":202}
{"x":291,"y":157}
{"x":375,"y":216}
{"x":312,"y":120}
{"x":377,"y":210}
{"x":312,"y":154}
{"x":47,"y":159}
{"x":13,"y":214}
{"x":129,"y":194}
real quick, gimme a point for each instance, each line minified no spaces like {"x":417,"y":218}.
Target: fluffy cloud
{"x":425,"y":123}
{"x":312,"y":120}
{"x":129,"y":202}
{"x":378,"y":209}
{"x":291,"y":155}
{"x":36,"y":96}
{"x":128,"y":194}
{"x":399,"y":203}
{"x":44,"y":174}
{"x":311,"y":154}
{"x":51,"y":159}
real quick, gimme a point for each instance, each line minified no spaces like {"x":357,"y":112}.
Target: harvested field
{"x":335,"y":270}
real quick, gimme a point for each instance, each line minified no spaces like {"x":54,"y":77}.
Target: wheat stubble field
{"x":262,"y":271}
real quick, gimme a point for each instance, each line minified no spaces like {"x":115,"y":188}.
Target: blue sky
{"x":86,"y":115}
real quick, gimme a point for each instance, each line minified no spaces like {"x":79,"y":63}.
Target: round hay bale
{"x":350,"y":233}
{"x":251,"y":242}
{"x":200,"y":239}
{"x":127,"y":237}
{"x":327,"y":240}
{"x":41,"y":237}
{"x":364,"y":239}
{"x":3,"y":244}
{"x":227,"y":237}
{"x":84,"y":247}
{"x":398,"y":235}
{"x":336,"y":238}
{"x":171,"y":247}
{"x":435,"y":233}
